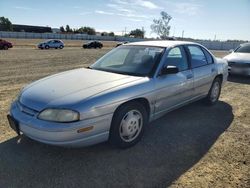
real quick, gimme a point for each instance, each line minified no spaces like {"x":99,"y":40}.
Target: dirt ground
{"x":195,"y":146}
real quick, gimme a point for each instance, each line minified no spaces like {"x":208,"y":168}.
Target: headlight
{"x":59,"y":115}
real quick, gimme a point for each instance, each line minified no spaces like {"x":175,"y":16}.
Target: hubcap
{"x":215,"y":91}
{"x":131,"y":125}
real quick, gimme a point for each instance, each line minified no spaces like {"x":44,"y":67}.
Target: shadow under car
{"x":170,"y":146}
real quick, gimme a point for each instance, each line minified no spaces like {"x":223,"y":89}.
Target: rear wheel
{"x":5,"y":47}
{"x":128,"y":125}
{"x":214,"y":92}
{"x":61,"y":46}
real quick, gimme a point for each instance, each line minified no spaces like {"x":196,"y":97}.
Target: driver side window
{"x":177,"y":57}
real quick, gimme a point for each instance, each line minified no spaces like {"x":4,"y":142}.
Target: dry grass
{"x":196,"y":146}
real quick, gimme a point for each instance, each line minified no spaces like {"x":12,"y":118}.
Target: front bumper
{"x":239,"y":71}
{"x":62,"y":134}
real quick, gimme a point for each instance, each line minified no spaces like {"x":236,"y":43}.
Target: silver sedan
{"x":239,"y":60}
{"x":116,"y":97}
{"x":57,"y":44}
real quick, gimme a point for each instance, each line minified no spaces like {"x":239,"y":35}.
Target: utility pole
{"x":125,"y":31}
{"x":215,"y":37}
{"x":182,"y":34}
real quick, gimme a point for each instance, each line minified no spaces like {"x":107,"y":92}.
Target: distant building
{"x":98,"y":33}
{"x":31,"y":28}
{"x":56,"y":30}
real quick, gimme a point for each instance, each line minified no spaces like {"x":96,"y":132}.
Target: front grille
{"x":26,"y":109}
{"x":239,"y":65}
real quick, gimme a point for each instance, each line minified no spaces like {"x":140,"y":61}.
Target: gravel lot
{"x":195,"y":146}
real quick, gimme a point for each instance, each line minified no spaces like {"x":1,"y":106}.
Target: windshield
{"x":130,"y":60}
{"x":243,"y":49}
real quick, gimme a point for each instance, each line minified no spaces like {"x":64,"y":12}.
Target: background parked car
{"x":5,"y":45}
{"x":239,"y":60}
{"x":51,"y":44}
{"x":93,"y":44}
{"x":121,"y":43}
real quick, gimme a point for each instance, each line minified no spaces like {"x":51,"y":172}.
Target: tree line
{"x":160,"y":26}
{"x":137,"y":33}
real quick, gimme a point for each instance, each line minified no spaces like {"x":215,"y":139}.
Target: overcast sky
{"x":227,"y":19}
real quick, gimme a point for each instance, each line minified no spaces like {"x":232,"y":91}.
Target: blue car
{"x":57,"y":44}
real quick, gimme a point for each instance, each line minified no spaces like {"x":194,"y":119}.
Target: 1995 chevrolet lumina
{"x":116,"y":97}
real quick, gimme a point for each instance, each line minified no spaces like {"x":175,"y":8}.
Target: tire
{"x":46,"y":47}
{"x":134,"y":117}
{"x":61,"y":46}
{"x":214,"y":92}
{"x":5,"y":47}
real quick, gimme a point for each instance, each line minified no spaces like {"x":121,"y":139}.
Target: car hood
{"x":68,"y":88}
{"x":238,"y":57}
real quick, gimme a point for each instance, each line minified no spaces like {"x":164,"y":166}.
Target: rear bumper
{"x":63,"y":134}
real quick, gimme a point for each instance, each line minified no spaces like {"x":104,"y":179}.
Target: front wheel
{"x":61,"y":46}
{"x":128,"y":125}
{"x":214,"y":92}
{"x":47,"y":47}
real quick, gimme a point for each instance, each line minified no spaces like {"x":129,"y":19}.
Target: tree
{"x":62,"y":29}
{"x":112,"y":34}
{"x":161,"y":26}
{"x":68,"y":29}
{"x":104,"y":34}
{"x":5,"y":24}
{"x":137,"y":33}
{"x":88,"y":30}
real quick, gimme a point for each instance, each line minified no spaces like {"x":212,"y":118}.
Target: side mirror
{"x":169,"y":70}
{"x":231,"y":51}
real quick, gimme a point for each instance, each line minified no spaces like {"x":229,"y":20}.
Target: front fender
{"x":108,"y":102}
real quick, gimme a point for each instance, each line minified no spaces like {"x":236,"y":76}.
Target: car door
{"x":174,"y":89}
{"x":55,"y":44}
{"x":203,"y":69}
{"x":51,"y":44}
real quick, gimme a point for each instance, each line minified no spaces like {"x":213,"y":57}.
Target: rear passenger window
{"x":198,"y":58}
{"x":177,"y":57}
{"x":208,"y":56}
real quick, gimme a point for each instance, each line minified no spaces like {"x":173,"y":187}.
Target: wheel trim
{"x":131,"y":125}
{"x":215,"y":91}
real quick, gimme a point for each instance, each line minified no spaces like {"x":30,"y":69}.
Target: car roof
{"x":160,"y":43}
